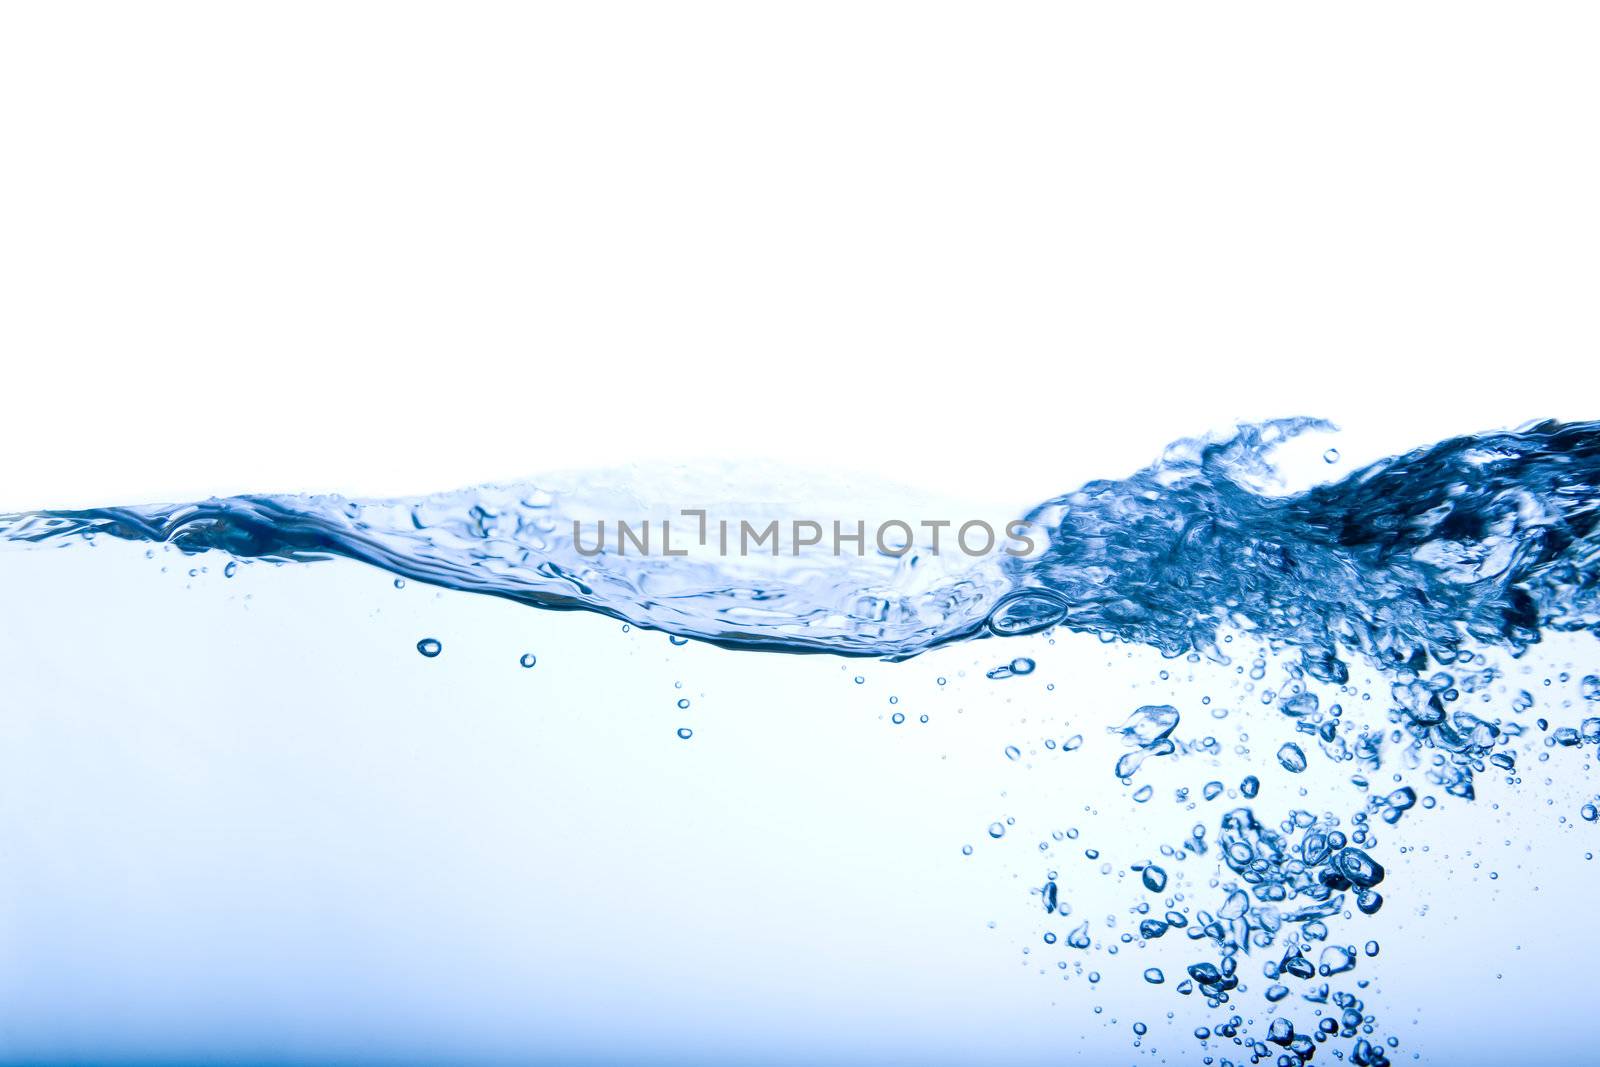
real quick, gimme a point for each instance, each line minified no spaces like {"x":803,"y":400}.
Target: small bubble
{"x":1331,"y":456}
{"x":231,"y":569}
{"x":676,"y":640}
{"x":528,"y":659}
{"x":1013,"y":752}
{"x":1154,"y":878}
{"x":685,"y":733}
{"x":399,"y":583}
{"x":429,"y":647}
{"x":966,"y":850}
{"x":683,"y":702}
{"x":997,"y":830}
{"x":1154,"y":976}
{"x":898,"y":717}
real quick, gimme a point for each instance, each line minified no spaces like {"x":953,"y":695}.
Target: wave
{"x":1486,"y":538}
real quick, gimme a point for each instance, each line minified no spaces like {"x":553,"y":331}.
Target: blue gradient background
{"x":243,"y":821}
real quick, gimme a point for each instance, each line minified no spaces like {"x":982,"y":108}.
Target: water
{"x":1231,"y":771}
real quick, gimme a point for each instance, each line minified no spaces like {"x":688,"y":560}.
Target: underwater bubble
{"x":1022,"y":665}
{"x":1360,"y":869}
{"x":1129,"y":762}
{"x":1331,"y":456}
{"x":997,"y":830}
{"x":1026,"y":613}
{"x":1292,"y":757}
{"x":898,"y":717}
{"x":676,"y":640}
{"x":1154,"y":878}
{"x":1149,"y":724}
{"x":686,"y":733}
{"x":1250,"y":786}
{"x":1336,"y":959}
{"x":1013,"y":752}
{"x":1143,"y":793}
{"x":1212,"y":790}
{"x":683,"y":702}
{"x":429,"y":647}
{"x":966,"y":850}
{"x":528,"y":659}
{"x":1300,"y":706}
{"x":1590,"y":687}
{"x":231,"y":569}
{"x":1079,"y":938}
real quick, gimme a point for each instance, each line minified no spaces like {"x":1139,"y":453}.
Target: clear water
{"x":1227,"y":773}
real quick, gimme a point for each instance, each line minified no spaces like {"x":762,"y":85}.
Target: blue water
{"x":1232,"y":770}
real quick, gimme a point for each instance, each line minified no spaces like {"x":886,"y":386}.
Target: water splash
{"x":1486,"y":538}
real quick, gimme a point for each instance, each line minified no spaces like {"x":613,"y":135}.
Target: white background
{"x":388,"y":248}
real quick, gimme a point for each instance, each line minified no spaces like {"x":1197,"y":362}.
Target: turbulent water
{"x":1390,"y":602}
